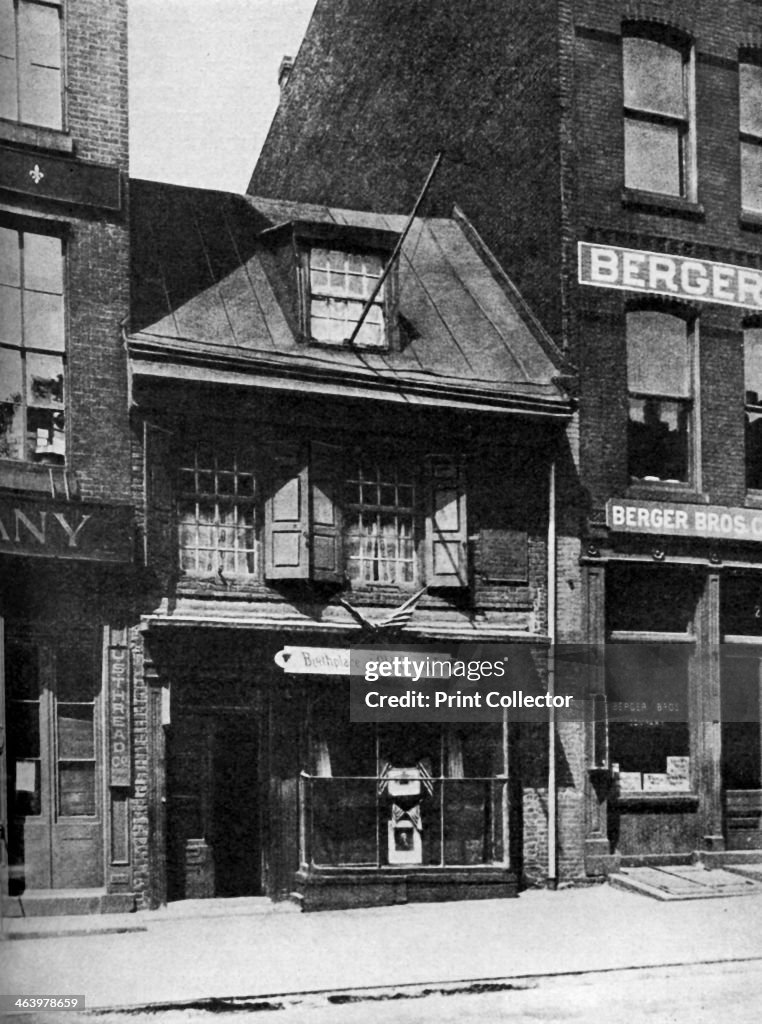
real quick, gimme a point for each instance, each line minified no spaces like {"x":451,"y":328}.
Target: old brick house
{"x":609,"y":153}
{"x":65,"y":487}
{"x":288,"y":473}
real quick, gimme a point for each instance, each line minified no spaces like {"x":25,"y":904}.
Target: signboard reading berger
{"x":674,"y":519}
{"x":658,"y":273}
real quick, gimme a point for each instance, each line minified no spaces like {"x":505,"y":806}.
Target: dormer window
{"x":341,"y":283}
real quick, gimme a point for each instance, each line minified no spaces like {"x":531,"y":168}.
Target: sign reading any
{"x":65,"y":529}
{"x":324,"y":661}
{"x":654,"y":273}
{"x":680,"y":520}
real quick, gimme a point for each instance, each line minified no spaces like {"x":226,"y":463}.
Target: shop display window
{"x":401,"y":793}
{"x":649,"y":656}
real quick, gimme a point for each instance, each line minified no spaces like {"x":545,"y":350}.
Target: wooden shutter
{"x":160,"y":542}
{"x":287,"y":514}
{"x":446,"y":536}
{"x":326,"y":557}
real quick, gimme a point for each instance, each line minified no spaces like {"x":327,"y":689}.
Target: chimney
{"x":284,"y":71}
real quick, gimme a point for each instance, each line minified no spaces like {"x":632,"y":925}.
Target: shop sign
{"x":119,"y":717}
{"x":324,"y":661}
{"x":658,"y":273}
{"x":65,"y":529}
{"x":671,"y":519}
{"x":62,"y":178}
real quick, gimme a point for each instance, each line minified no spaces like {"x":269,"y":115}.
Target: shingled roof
{"x":207,"y":296}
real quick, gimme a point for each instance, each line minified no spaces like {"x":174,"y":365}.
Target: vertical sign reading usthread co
{"x":120,"y":761}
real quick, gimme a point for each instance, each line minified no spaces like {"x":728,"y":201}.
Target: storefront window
{"x":649,"y":654}
{"x":401,"y":793}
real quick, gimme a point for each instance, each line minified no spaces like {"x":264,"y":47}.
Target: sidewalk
{"x":257,"y":949}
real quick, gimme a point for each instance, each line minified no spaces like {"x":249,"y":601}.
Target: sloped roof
{"x":206,"y":295}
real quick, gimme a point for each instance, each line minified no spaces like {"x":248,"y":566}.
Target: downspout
{"x":552,"y":867}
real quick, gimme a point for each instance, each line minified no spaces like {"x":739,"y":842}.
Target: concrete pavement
{"x":255,"y":949}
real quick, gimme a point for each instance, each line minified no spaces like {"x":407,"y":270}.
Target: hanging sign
{"x":323,"y":661}
{"x":658,"y":273}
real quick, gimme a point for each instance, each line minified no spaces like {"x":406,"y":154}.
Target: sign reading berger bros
{"x":671,"y":519}
{"x":682,"y":277}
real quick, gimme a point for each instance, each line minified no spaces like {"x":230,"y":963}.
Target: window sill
{"x":654,"y":202}
{"x":657,"y":490}
{"x":679,"y":800}
{"x":39,"y":138}
{"x":53,"y":481}
{"x":750,"y":221}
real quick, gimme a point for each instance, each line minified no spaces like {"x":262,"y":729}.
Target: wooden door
{"x":742,"y":751}
{"x":55,"y":802}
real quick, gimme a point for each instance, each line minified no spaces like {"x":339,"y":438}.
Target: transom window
{"x":657,"y":116}
{"x":660,"y":385}
{"x":32,"y":347}
{"x":381,"y":525}
{"x":30,"y":62}
{"x":750,"y":128}
{"x":216,"y":511}
{"x":753,"y":405}
{"x":340,"y":285}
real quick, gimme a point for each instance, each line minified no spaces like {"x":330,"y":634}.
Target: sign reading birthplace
{"x":65,"y":529}
{"x":323,"y":661}
{"x":672,"y":519}
{"x":658,"y":273}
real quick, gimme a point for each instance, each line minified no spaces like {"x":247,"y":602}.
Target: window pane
{"x":24,"y":729}
{"x":41,"y":97}
{"x":7,"y":29}
{"x":45,"y":383}
{"x":43,"y":321}
{"x":753,"y":365}
{"x":8,"y":89}
{"x":21,"y":673}
{"x":10,"y":315}
{"x":658,"y":440}
{"x":45,"y":435}
{"x":658,"y":354}
{"x":750,"y":88}
{"x":652,"y":157}
{"x":653,"y":77}
{"x":43,"y":263}
{"x":76,"y":790}
{"x":40,"y":34}
{"x":754,"y":451}
{"x":11,"y":411}
{"x":10,"y":259}
{"x":75,"y":731}
{"x":75,"y":677}
{"x":751,"y":176}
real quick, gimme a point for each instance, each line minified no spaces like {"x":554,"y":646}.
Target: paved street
{"x":706,"y":994}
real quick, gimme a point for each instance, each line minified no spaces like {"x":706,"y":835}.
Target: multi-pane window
{"x":216,"y":511}
{"x":30,"y":62}
{"x":657,"y":116}
{"x":750,"y":127}
{"x":753,"y":405}
{"x":32,"y":347}
{"x":380,"y":525}
{"x":340,"y":285}
{"x":75,"y":735}
{"x":660,"y":386}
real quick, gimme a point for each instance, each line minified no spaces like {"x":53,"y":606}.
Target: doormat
{"x":689,"y":882}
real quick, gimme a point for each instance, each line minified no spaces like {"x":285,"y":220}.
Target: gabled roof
{"x":209,"y":296}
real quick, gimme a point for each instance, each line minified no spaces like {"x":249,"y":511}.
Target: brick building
{"x":65,"y":475}
{"x":609,"y":154}
{"x":304,"y":492}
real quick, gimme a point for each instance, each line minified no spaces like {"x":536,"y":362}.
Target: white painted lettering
{"x":73,"y":535}
{"x":750,"y":287}
{"x":722,"y":282}
{"x":693,"y":278}
{"x":662,"y":269}
{"x":631,"y":267}
{"x":604,"y":266}
{"x":38,"y":534}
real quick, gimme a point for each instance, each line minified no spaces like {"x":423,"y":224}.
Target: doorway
{"x":214,"y":805}
{"x":741,"y":760}
{"x":54,"y":784}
